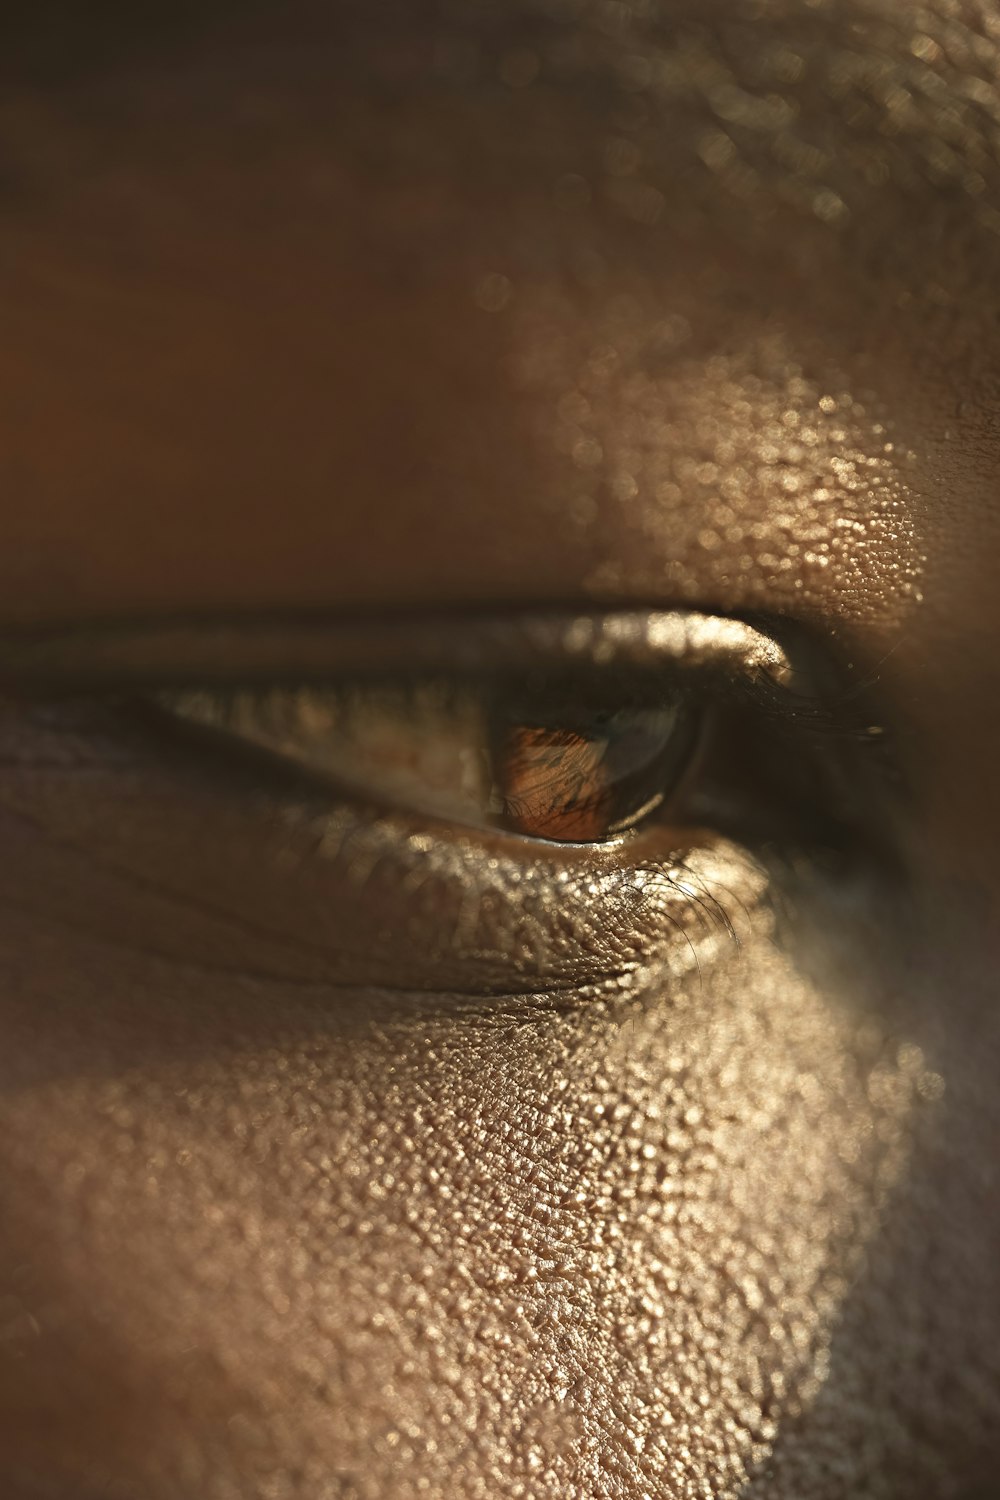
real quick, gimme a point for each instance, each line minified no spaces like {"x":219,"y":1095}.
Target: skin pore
{"x":347,"y":1154}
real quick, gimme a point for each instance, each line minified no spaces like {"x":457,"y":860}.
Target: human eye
{"x":503,"y":785}
{"x":447,"y":1046}
{"x":581,"y":772}
{"x":571,"y":730}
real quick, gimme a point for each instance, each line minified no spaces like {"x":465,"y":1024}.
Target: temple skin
{"x":498,"y":306}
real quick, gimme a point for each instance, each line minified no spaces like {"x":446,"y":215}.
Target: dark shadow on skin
{"x":933,"y":1242}
{"x":916,"y":1415}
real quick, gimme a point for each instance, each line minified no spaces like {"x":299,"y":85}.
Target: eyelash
{"x":259,"y":725}
{"x":273,"y":858}
{"x":546,"y":763}
{"x":631,"y":661}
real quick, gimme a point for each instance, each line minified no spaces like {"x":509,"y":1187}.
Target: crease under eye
{"x":781,"y":783}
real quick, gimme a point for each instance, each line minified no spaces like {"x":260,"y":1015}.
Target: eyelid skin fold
{"x":173,"y":814}
{"x":308,"y":646}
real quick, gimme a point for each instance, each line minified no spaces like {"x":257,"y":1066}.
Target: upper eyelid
{"x":317,"y":646}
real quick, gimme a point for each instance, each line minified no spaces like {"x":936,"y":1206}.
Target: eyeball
{"x":534,"y":764}
{"x":585,"y":782}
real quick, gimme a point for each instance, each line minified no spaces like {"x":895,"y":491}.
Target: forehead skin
{"x":708,"y":292}
{"x":372,"y":269}
{"x":572,"y":302}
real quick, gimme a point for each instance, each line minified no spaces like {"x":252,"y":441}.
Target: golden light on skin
{"x":322,"y":647}
{"x":654,"y":1195}
{"x":265,"y":1233}
{"x":705,"y":345}
{"x":768,"y":469}
{"x":680,"y":1223}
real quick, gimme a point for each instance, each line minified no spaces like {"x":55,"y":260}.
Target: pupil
{"x":582,"y":784}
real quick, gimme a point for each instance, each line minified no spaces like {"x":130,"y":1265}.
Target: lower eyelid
{"x":474,"y":754}
{"x":167,"y":853}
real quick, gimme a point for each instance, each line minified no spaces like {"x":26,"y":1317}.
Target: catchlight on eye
{"x":586,"y":782}
{"x":566,"y":728}
{"x":540,"y":765}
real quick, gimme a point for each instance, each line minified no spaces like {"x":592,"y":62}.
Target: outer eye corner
{"x":675,"y":719}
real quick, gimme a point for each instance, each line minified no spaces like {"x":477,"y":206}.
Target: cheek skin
{"x":474,"y":1257}
{"x":733,"y":1236}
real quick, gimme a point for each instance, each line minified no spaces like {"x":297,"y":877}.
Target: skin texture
{"x":346,"y":1154}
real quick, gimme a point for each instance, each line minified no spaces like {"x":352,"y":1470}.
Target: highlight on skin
{"x":356,"y":1146}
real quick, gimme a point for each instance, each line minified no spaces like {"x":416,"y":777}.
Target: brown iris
{"x":585,"y":782}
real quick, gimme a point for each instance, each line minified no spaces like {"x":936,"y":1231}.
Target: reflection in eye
{"x":555,"y":726}
{"x":539,"y":764}
{"x":582,"y":784}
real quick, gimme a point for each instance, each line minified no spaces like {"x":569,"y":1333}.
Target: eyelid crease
{"x":315,"y":646}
